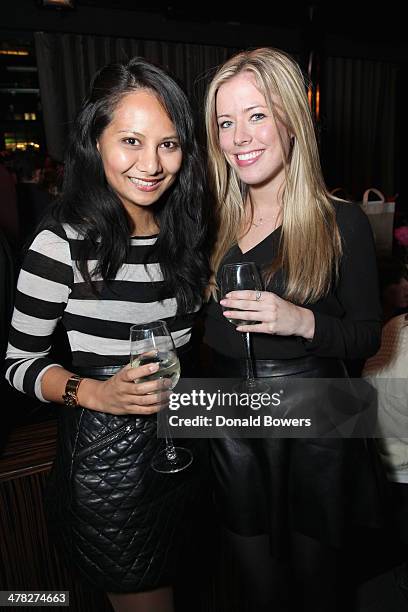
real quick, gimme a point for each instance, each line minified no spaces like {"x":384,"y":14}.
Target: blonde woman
{"x":288,"y":506}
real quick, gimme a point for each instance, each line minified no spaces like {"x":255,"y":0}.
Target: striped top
{"x":50,"y":288}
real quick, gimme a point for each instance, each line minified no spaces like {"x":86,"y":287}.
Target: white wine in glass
{"x":169,"y":365}
{"x":152,"y":343}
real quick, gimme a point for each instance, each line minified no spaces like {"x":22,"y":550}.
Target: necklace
{"x":261,"y":221}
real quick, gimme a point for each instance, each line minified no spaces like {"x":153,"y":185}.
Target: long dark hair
{"x":91,"y":206}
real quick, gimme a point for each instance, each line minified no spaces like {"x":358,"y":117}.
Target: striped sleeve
{"x":43,"y":288}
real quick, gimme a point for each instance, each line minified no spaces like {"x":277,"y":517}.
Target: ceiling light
{"x":59,"y":4}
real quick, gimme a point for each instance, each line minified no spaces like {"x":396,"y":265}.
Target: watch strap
{"x":70,"y":396}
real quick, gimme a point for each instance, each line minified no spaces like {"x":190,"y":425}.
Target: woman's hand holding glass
{"x":242,"y":277}
{"x":125,"y":393}
{"x":270,"y":314}
{"x":152,"y":343}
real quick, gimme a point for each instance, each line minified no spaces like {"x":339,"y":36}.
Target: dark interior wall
{"x":333,"y":35}
{"x":24,"y":15}
{"x":337,"y":30}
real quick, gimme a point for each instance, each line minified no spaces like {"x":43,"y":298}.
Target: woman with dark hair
{"x":124,"y":245}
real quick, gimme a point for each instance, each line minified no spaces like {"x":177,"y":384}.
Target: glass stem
{"x":171,"y":452}
{"x":250,"y":366}
{"x":170,"y":449}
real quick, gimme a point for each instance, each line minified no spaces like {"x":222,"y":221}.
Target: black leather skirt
{"x":324,"y":488}
{"x":122,"y":525}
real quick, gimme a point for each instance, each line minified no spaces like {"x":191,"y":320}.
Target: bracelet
{"x":70,"y":396}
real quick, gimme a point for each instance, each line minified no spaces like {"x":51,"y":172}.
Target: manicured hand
{"x":273,"y":315}
{"x":121,"y":394}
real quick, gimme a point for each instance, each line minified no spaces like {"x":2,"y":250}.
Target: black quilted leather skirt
{"x":121,"y":524}
{"x":325,"y":488}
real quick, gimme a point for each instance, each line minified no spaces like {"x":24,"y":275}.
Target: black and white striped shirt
{"x":50,"y":288}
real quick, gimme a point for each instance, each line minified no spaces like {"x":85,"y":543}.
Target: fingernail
{"x":153,"y":367}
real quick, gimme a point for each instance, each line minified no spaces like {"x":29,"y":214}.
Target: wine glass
{"x":238,"y":277}
{"x":152,"y":343}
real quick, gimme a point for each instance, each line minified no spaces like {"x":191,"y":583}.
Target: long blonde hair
{"x":310,"y":245}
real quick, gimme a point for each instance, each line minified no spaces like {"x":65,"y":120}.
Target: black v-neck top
{"x":348,"y":319}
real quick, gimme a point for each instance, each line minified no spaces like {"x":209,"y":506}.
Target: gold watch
{"x":70,"y":396}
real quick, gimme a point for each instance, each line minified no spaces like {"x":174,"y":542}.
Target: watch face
{"x":70,"y":396}
{"x":68,"y":399}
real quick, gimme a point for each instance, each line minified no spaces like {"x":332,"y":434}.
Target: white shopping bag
{"x":381,"y":216}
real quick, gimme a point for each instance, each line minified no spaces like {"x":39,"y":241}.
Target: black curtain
{"x":358,"y":128}
{"x":357,"y":99}
{"x":67,"y":62}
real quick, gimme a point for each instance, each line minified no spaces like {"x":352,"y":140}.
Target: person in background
{"x":9,"y":219}
{"x":53,"y":175}
{"x":104,"y":259}
{"x":387,"y":372}
{"x":393,"y":280}
{"x":289,"y":507}
{"x":33,"y":199}
{"x":393,"y":284}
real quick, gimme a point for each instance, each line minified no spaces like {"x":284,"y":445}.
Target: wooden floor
{"x":28,"y":560}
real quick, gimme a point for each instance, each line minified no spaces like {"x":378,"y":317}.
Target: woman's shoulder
{"x":63,"y":231}
{"x":349,"y":212}
{"x":351,"y":219}
{"x":52,"y":241}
